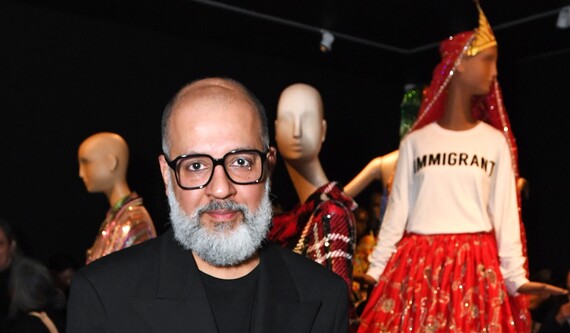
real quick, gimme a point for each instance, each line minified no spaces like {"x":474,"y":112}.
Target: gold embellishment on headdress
{"x":484,"y":37}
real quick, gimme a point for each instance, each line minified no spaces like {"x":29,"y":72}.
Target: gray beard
{"x":221,"y":247}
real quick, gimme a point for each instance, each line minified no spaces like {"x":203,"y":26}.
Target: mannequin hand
{"x":522,"y":187}
{"x":365,"y":279}
{"x":563,"y":314}
{"x":536,"y":287}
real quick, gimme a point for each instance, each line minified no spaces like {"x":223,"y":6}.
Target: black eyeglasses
{"x":242,"y":167}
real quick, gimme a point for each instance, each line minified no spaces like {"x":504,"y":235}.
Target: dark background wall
{"x":66,"y":76}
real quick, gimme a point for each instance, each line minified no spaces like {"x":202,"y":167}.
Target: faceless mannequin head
{"x":300,"y":128}
{"x":103,"y":160}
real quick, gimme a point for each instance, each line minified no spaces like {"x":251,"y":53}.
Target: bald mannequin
{"x":300,"y":130}
{"x":103,"y":161}
{"x":322,"y":226}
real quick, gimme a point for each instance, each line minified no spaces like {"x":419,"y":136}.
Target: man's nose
{"x":220,"y":187}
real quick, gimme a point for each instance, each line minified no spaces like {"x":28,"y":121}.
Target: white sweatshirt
{"x":449,"y":182}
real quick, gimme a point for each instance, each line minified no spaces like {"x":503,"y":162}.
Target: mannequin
{"x":103,"y":160}
{"x":322,"y":226}
{"x":451,"y":245}
{"x":300,"y":130}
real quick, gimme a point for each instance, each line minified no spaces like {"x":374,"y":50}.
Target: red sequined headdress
{"x":488,"y":108}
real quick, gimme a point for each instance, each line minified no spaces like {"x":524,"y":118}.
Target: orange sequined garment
{"x":126,"y":224}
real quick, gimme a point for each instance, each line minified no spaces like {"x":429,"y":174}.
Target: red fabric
{"x":284,"y":229}
{"x":441,"y":283}
{"x":433,"y":102}
{"x":331,"y":239}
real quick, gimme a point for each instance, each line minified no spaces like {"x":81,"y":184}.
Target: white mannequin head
{"x":300,"y":128}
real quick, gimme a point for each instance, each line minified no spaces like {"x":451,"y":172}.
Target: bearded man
{"x":214,"y":271}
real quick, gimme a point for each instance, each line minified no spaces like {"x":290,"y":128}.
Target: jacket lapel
{"x":180,"y":303}
{"x":278,"y":306}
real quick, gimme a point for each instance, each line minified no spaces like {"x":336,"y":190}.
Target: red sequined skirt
{"x":440,"y":283}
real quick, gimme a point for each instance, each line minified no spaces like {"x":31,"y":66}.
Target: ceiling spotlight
{"x":326,"y":41}
{"x":563,"y":21}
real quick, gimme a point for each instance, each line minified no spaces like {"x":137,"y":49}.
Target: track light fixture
{"x":326,"y":41}
{"x":563,"y":21}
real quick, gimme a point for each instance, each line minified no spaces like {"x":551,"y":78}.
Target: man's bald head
{"x":223,"y":90}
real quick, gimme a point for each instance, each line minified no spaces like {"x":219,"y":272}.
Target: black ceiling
{"x":367,"y":32}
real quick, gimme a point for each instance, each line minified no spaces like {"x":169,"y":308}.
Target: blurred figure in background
{"x":8,"y":253}
{"x":62,"y":266}
{"x":36,"y":304}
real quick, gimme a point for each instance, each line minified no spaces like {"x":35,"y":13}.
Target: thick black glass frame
{"x":215,"y":162}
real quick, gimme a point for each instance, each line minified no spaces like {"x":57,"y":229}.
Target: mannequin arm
{"x":381,"y":168}
{"x":536,"y":287}
{"x":372,"y":171}
{"x":365,"y":279}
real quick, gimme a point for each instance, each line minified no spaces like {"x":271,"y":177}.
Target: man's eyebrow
{"x":195,"y":152}
{"x":244,"y":148}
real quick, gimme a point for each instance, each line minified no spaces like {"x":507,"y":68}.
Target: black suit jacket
{"x":156,"y":287}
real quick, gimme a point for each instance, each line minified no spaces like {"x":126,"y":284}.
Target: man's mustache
{"x":221,"y":205}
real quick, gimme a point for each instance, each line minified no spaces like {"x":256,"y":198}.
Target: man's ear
{"x":271,"y":159}
{"x":164,"y":170}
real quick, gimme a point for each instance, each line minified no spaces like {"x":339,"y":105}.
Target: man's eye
{"x":195,"y":166}
{"x":241,"y":162}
